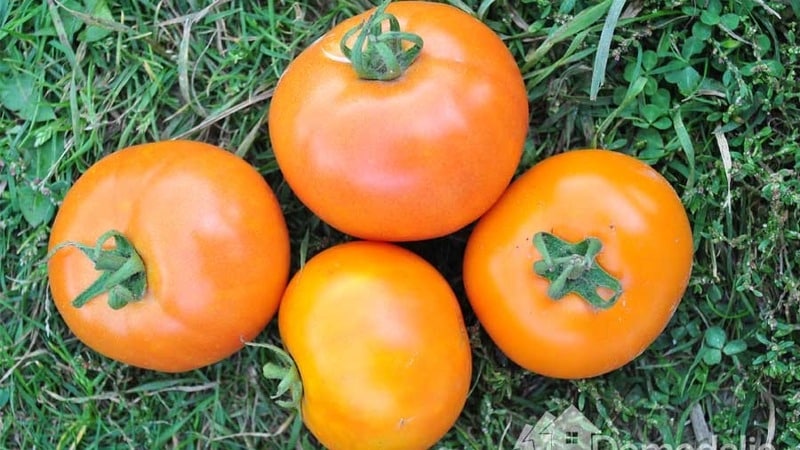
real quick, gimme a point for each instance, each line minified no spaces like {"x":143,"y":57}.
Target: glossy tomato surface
{"x":213,"y":241}
{"x":646,"y":245}
{"x":413,"y":158}
{"x":380,"y":343}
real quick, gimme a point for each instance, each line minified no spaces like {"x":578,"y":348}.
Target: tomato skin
{"x":214,"y":244}
{"x":647,"y":246}
{"x":380,"y":343}
{"x":413,"y":158}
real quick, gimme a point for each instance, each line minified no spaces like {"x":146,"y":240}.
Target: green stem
{"x":573,"y":268}
{"x":122,"y":270}
{"x":379,"y":54}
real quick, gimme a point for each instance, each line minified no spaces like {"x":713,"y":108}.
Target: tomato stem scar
{"x":573,"y":268}
{"x":379,"y":54}
{"x":123,"y":273}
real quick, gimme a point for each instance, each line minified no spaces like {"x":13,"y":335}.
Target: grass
{"x":705,"y":91}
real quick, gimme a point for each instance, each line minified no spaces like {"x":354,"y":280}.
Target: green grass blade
{"x":579,"y":23}
{"x":686,"y":144}
{"x":603,"y":47}
{"x":635,"y":88}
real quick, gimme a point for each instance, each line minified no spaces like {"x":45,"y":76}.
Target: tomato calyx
{"x":123,"y":273}
{"x":289,"y":378}
{"x":285,"y":370}
{"x":379,"y":54}
{"x":573,"y":268}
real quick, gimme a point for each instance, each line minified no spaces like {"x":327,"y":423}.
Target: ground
{"x":704,"y":91}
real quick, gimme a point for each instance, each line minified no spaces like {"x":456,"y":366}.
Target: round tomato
{"x":380,"y":344}
{"x":580,"y":265}
{"x":190,"y":248}
{"x":418,"y":156}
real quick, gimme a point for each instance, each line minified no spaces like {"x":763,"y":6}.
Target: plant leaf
{"x":730,"y":21}
{"x":661,"y":98}
{"x":34,"y":206}
{"x":692,"y":46}
{"x":20,"y":94}
{"x":734,"y":347}
{"x":5,"y":396}
{"x":709,"y":18}
{"x":662,"y":123}
{"x":100,"y":10}
{"x":43,"y":157}
{"x":701,"y":31}
{"x":5,"y":7}
{"x":712,"y":356}
{"x":649,"y":59}
{"x":651,"y":112}
{"x":715,"y":337}
{"x":687,"y":79}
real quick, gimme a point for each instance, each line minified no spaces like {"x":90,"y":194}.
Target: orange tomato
{"x":211,"y":237}
{"x":412,"y":158}
{"x":583,"y":314}
{"x":381,"y":347}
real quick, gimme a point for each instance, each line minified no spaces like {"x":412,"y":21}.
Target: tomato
{"x":415,"y":157}
{"x":583,"y":309}
{"x":212,"y":240}
{"x":380,"y":344}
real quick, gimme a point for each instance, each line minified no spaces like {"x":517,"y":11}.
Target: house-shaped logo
{"x":569,"y":431}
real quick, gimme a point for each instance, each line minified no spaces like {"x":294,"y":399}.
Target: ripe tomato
{"x":415,"y":157}
{"x":595,"y":315}
{"x":381,"y":347}
{"x":211,"y":237}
